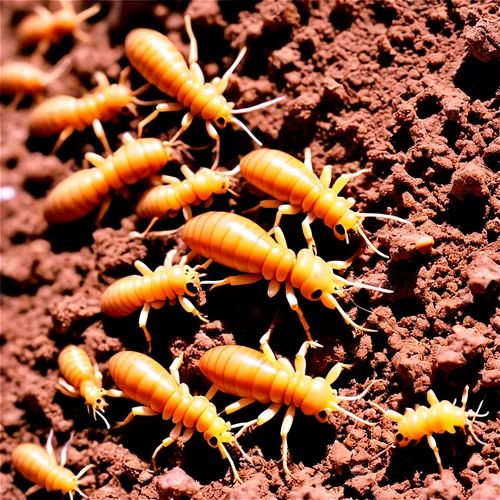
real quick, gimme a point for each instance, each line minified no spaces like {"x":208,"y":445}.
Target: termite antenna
{"x":370,"y":244}
{"x":329,"y":298}
{"x":471,"y":425}
{"x":385,"y":216}
{"x":383,"y":452}
{"x":363,"y":285}
{"x":237,"y":61}
{"x":87,"y":13}
{"x":225,"y":454}
{"x":240,"y":449}
{"x":84,"y":470}
{"x":104,"y":418}
{"x":228,"y":173}
{"x":139,"y":102}
{"x":335,"y":406}
{"x":79,"y":491}
{"x":359,"y":396}
{"x":258,"y":106}
{"x":141,"y":89}
{"x":59,"y":69}
{"x":232,"y":119}
{"x":234,"y":193}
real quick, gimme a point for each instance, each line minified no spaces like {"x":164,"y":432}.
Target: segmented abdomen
{"x":245,"y":373}
{"x":160,"y":63}
{"x":75,"y":366}
{"x":21,"y":77}
{"x":127,"y":294}
{"x":281,"y":176}
{"x":36,"y":465}
{"x":147,"y":382}
{"x":157,"y":201}
{"x":34,"y":28}
{"x":236,"y":242}
{"x":76,"y":196}
{"x":54,"y":115}
{"x":425,"y":421}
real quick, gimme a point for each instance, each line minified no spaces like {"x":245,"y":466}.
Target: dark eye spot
{"x":213,"y":441}
{"x":98,"y":400}
{"x":316,"y":294}
{"x":191,"y":287}
{"x":124,"y":109}
{"x":340,"y":229}
{"x":220,"y":121}
{"x":399,"y":437}
{"x":322,"y":414}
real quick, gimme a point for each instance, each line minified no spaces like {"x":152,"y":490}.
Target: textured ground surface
{"x":406,"y":89}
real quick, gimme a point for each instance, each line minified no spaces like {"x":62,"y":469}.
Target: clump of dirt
{"x":406,"y":89}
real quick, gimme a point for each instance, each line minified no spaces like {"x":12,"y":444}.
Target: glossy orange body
{"x":35,"y":464}
{"x":160,"y":63}
{"x":247,"y":373}
{"x":83,"y":191}
{"x":58,"y":113}
{"x":287,"y":179}
{"x":160,"y":200}
{"x":144,"y":380}
{"x":128,"y":294}
{"x":239,"y":243}
{"x":22,"y":77}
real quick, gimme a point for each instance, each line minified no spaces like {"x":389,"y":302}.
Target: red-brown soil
{"x":407,"y":89}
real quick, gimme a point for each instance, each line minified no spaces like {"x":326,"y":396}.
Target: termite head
{"x":312,"y":275}
{"x":218,"y":183}
{"x":218,"y":433}
{"x":401,"y":441}
{"x":224,"y":116}
{"x":118,"y":97}
{"x":94,"y":396}
{"x":192,"y":281}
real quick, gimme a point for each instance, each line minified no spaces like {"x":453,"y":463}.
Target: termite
{"x":65,"y":114}
{"x":82,"y":378}
{"x":160,"y":63}
{"x":176,"y":195}
{"x":39,"y":465}
{"x":22,"y":78}
{"x":441,"y":417}
{"x":84,"y":190}
{"x":44,"y":27}
{"x":297,"y":189}
{"x":161,"y":393}
{"x":260,"y":376}
{"x":239,"y":243}
{"x":153,"y":289}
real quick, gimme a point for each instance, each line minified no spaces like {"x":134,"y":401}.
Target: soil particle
{"x":484,"y":275}
{"x":176,"y":484}
{"x":445,"y":488}
{"x":484,"y":39}
{"x":471,"y":178}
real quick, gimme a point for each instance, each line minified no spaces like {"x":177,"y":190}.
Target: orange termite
{"x":22,"y":78}
{"x":260,"y":376}
{"x":441,"y":417}
{"x":39,"y":465}
{"x":65,"y":114}
{"x":161,"y":393}
{"x":44,"y":27}
{"x":195,"y":189}
{"x":239,"y":243}
{"x":153,"y":289}
{"x":84,"y":190}
{"x":160,"y":63}
{"x":297,"y":189}
{"x":82,"y":378}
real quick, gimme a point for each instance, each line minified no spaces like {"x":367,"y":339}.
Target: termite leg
{"x":114,"y":393}
{"x":306,"y":229}
{"x":335,"y":372}
{"x":285,"y":363}
{"x":187,"y":172}
{"x":238,"y":405}
{"x":49,"y":447}
{"x":300,"y":357}
{"x":435,"y":449}
{"x":101,"y":135}
{"x":264,"y":340}
{"x":102,"y":80}
{"x":194,"y":67}
{"x":62,"y":137}
{"x":64,"y":452}
{"x":15,"y":102}
{"x":340,"y":265}
{"x":143,"y":268}
{"x":432,"y":398}
{"x":67,"y":389}
{"x":187,"y":213}
{"x":341,"y":182}
{"x":97,"y":160}
{"x":189,"y":307}
{"x":32,"y":490}
{"x":328,"y":300}
{"x":221,"y":83}
{"x":137,"y":411}
{"x":273,"y":288}
{"x":264,"y":204}
{"x":41,"y":49}
{"x":143,"y":318}
{"x":169,"y":259}
{"x":280,"y":237}
{"x":127,"y":138}
{"x":136,"y":234}
{"x":390,"y":414}
{"x":211,"y":392}
{"x":174,"y":368}
{"x":308,"y":159}
{"x":212,"y":132}
{"x":326,"y":176}
{"x":286,"y":210}
{"x":264,"y":417}
{"x":285,"y":429}
{"x":160,"y":108}
{"x":294,"y":305}
{"x":169,"y":179}
{"x":103,"y":209}
{"x":97,"y":374}
{"x":244,"y":279}
{"x":465,"y":396}
{"x":174,"y":435}
{"x":188,"y":434}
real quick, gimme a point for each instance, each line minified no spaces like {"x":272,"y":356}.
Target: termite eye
{"x":322,"y":415}
{"x":213,"y":441}
{"x":399,"y":437}
{"x":221,"y":121}
{"x":316,"y":294}
{"x":191,"y":288}
{"x":340,"y":229}
{"x":98,"y":400}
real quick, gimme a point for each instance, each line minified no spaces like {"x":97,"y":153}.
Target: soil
{"x":408,"y":89}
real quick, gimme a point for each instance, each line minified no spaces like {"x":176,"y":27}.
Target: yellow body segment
{"x":22,"y":77}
